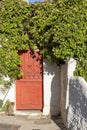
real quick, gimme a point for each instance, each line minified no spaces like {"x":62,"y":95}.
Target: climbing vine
{"x":12,"y":37}
{"x":58,"y":29}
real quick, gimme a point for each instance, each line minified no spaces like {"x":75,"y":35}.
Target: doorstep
{"x":30,"y":114}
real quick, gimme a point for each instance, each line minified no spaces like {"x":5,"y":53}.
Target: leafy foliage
{"x":58,"y":29}
{"x":12,"y":37}
{"x":61,"y":29}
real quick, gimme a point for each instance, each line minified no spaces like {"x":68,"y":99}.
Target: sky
{"x":35,"y":1}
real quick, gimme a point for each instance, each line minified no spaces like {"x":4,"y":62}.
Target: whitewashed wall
{"x":51,"y":83}
{"x":9,"y":94}
{"x":77,"y":104}
{"x":73,"y":98}
{"x":66,"y":72}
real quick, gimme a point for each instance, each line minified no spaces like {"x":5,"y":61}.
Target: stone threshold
{"x":29,"y":114}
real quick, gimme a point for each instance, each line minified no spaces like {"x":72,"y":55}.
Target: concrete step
{"x":30,"y":114}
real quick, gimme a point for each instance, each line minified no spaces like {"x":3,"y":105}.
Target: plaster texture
{"x":66,"y":72}
{"x":77,"y":107}
{"x":51,"y":83}
{"x":73,"y":98}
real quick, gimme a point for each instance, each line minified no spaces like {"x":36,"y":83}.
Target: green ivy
{"x":12,"y":36}
{"x":58,"y":29}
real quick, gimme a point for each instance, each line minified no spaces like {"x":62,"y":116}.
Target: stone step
{"x":30,"y":114}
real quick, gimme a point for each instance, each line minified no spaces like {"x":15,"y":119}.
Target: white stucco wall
{"x":77,"y":104}
{"x":73,"y":98}
{"x":66,"y":72}
{"x":9,"y":94}
{"x":51,"y":83}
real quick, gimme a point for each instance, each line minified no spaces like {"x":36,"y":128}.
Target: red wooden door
{"x":29,"y":88}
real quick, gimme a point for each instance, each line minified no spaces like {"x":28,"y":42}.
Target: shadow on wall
{"x":77,"y":110}
{"x":52,"y":74}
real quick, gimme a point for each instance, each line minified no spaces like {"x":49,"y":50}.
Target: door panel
{"x":29,"y":87}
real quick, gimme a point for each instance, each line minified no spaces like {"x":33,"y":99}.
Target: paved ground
{"x":22,"y":123}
